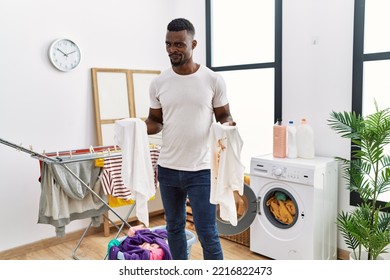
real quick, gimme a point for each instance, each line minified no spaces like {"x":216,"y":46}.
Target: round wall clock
{"x":64,"y":54}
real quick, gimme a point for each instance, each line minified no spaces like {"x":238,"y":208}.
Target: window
{"x":244,"y":45}
{"x":371,"y":61}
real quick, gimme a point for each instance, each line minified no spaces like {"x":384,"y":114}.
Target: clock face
{"x":64,"y":54}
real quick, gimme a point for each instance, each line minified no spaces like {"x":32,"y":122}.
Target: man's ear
{"x":194,"y":43}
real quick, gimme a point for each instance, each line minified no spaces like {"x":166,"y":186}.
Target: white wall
{"x":317,"y":72}
{"x":54,"y":111}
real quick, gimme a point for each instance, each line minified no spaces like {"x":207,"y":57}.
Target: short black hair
{"x":180,"y":24}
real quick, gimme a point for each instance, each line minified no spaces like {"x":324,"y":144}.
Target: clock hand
{"x":62,"y":52}
{"x":70,"y":53}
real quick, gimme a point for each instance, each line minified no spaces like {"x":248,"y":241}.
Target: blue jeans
{"x":175,"y":187}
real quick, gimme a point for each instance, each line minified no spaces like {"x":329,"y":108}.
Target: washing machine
{"x":291,"y":208}
{"x":296,"y":208}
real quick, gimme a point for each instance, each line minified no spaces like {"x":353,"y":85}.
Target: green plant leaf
{"x":368,"y":174}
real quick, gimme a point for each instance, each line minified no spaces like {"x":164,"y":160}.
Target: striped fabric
{"x":112,"y":180}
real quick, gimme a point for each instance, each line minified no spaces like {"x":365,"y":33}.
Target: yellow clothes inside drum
{"x":283,"y":209}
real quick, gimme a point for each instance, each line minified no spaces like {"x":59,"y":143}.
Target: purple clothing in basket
{"x":130,"y":246}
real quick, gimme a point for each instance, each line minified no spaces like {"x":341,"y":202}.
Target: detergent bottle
{"x":279,"y":140}
{"x":292,"y":146}
{"x":305,"y":140}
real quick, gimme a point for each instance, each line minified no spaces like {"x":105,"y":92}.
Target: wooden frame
{"x":116,"y":92}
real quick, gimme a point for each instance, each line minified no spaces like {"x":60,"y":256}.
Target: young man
{"x":184,"y":99}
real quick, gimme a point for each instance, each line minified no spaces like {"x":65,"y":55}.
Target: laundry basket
{"x":191,"y":239}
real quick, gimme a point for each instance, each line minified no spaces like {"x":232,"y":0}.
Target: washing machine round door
{"x":280,"y":207}
{"x":246,"y":213}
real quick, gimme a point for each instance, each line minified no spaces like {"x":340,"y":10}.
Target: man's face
{"x":179,"y":45}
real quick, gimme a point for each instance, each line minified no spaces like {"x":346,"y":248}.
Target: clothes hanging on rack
{"x":154,"y":154}
{"x":64,"y":199}
{"x":112,"y":180}
{"x":118,"y":194}
{"x":71,"y":188}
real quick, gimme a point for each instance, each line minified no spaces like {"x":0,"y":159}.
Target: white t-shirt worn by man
{"x":187,"y":103}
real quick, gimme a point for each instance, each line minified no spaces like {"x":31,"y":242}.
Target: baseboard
{"x":52,"y":241}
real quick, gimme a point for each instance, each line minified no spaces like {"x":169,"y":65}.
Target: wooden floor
{"x":94,"y":247}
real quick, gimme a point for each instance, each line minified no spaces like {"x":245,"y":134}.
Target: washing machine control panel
{"x":297,"y":174}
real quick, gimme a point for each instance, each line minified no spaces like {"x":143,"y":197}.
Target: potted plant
{"x":367,"y":227}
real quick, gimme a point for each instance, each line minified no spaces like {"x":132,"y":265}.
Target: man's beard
{"x":175,"y":64}
{"x":179,"y":62}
